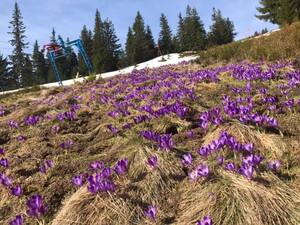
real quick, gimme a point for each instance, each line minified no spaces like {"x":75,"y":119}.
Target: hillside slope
{"x":186,"y":141}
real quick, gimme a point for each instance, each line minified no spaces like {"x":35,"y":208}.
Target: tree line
{"x":103,"y":47}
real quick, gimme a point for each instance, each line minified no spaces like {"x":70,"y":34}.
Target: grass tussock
{"x":232,"y":199}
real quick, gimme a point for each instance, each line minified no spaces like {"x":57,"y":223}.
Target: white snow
{"x":153,"y":63}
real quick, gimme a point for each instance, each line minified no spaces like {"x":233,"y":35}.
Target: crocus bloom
{"x":152,"y":161}
{"x":230,"y":166}
{"x":247,"y":171}
{"x":274,"y":165}
{"x":97,"y":165}
{"x":78,"y":180}
{"x":55,"y":129}
{"x":165,"y":142}
{"x":16,"y":191}
{"x":151,"y":212}
{"x":18,"y":220}
{"x":4,"y":162}
{"x":121,"y":167}
{"x":220,"y":160}
{"x":67,"y":144}
{"x":2,"y":151}
{"x":205,"y":221}
{"x":187,"y":159}
{"x":21,"y":138}
{"x":6,"y":181}
{"x":35,"y":206}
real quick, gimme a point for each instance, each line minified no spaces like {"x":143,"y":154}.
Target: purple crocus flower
{"x":274,"y":165}
{"x":18,"y":220}
{"x":55,"y":129}
{"x":151,"y":212}
{"x":13,"y":124}
{"x":230,"y":166}
{"x":67,"y":144}
{"x":21,"y":138}
{"x":165,"y":142}
{"x":32,"y":120}
{"x":247,"y":171}
{"x":121,"y":167}
{"x":2,"y":151}
{"x":190,"y":134}
{"x":187,"y":159}
{"x":78,"y":180}
{"x":220,"y":160}
{"x":4,"y":162}
{"x":203,"y":170}
{"x":97,"y":165}
{"x":248,"y":147}
{"x":152,"y":161}
{"x":6,"y":181}
{"x":35,"y":206}
{"x":16,"y":191}
{"x":205,"y":221}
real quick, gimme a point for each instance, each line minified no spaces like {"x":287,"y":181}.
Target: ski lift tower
{"x":63,"y":49}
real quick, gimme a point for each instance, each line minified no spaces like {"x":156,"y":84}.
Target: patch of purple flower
{"x":35,"y":206}
{"x":207,"y":220}
{"x":152,"y":161}
{"x":151,"y":212}
{"x":121,"y":167}
{"x":18,"y":220}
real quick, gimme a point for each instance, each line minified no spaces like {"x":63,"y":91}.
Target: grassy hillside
{"x":226,"y":141}
{"x":281,"y":45}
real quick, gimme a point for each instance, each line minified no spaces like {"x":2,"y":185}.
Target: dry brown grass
{"x":232,"y":199}
{"x":84,"y":208}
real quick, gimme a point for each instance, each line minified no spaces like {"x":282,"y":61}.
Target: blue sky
{"x":68,"y":16}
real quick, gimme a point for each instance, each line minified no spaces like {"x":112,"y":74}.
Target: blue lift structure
{"x":63,"y":49}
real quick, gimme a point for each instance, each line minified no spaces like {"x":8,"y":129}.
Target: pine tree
{"x":140,"y":45}
{"x":53,"y":37}
{"x":222,"y":29}
{"x":180,"y":34}
{"x":112,"y":49}
{"x":6,"y":81}
{"x":28,"y":80}
{"x":129,"y":48}
{"x":70,"y":67}
{"x":87,"y":40}
{"x":150,"y":44}
{"x":165,"y":41}
{"x":98,"y":46}
{"x":193,"y":35}
{"x":39,"y":66}
{"x":279,"y":11}
{"x":18,"y":57}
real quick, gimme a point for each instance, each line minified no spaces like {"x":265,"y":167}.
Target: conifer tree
{"x":87,"y":40}
{"x":28,"y":80}
{"x":279,"y":11}
{"x":150,"y":44}
{"x":18,"y":57}
{"x":140,"y":46}
{"x":129,"y":48}
{"x":165,"y":41}
{"x":191,"y":33}
{"x":112,"y":48}
{"x":222,"y":29}
{"x":39,"y":66}
{"x":6,"y":81}
{"x":180,"y":34}
{"x":98,"y":46}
